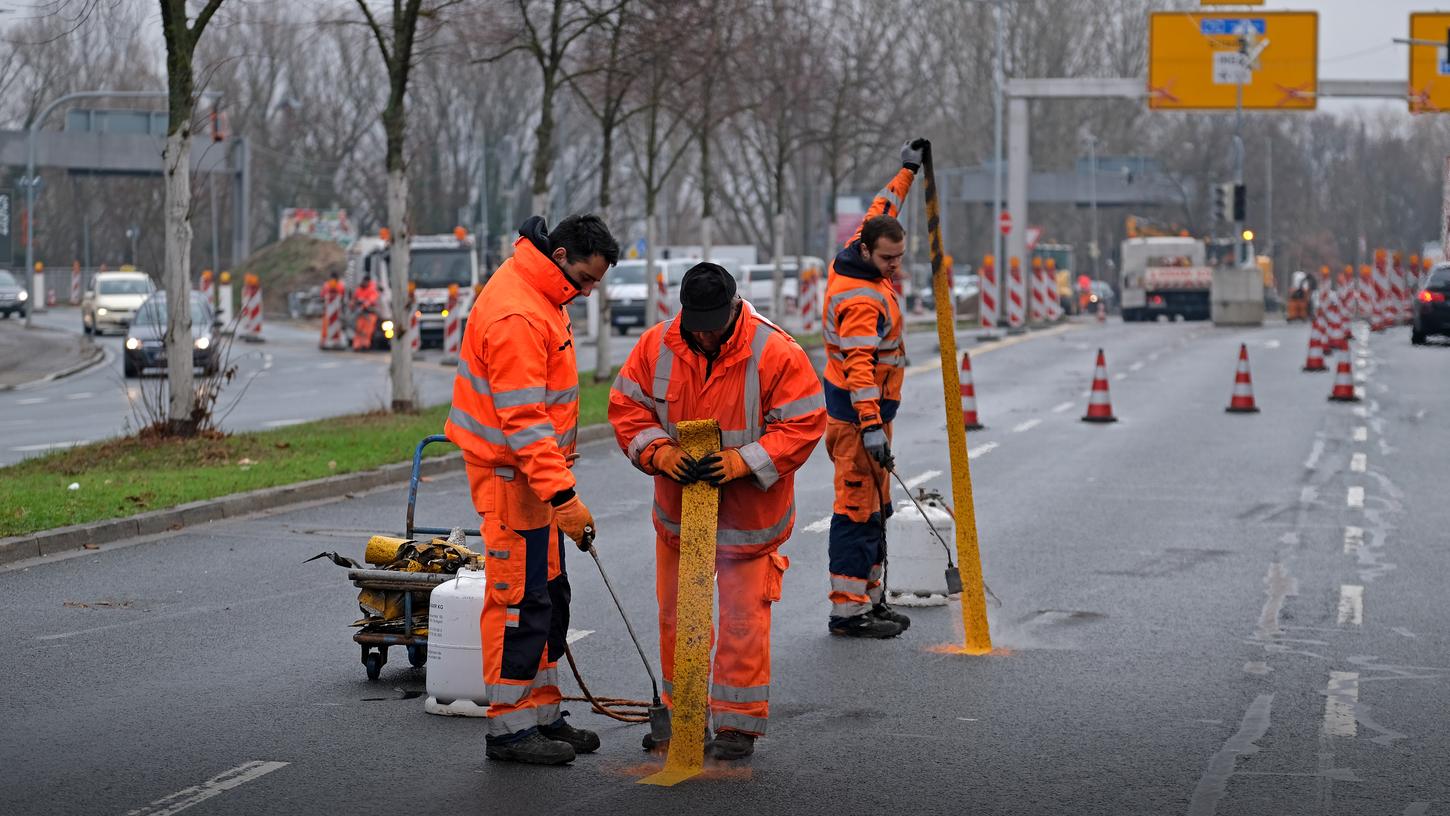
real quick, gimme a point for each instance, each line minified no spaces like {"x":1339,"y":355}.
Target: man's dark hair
{"x":882,"y":226}
{"x":584,"y":236}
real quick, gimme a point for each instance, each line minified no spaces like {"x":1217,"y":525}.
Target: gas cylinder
{"x":455,"y":649}
{"x":916,"y":560}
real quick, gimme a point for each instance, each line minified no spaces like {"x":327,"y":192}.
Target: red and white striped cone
{"x":987,"y":299}
{"x":1344,"y":382}
{"x":969,"y":396}
{"x":1016,"y":294}
{"x":1100,"y":405}
{"x":1338,"y":323}
{"x":663,"y":295}
{"x":1315,"y":360}
{"x":453,"y":327}
{"x":1242,"y":401}
{"x":75,"y":284}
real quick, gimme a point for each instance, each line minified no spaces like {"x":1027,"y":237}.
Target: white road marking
{"x":981,"y":450}
{"x":576,"y":635}
{"x":1357,"y":463}
{"x":333,"y":364}
{"x":32,"y":400}
{"x":1136,"y":366}
{"x":1354,"y":497}
{"x":1351,"y":604}
{"x":1026,"y":426}
{"x":917,"y":481}
{"x":1214,"y":782}
{"x":818,"y":526}
{"x":80,"y":396}
{"x":1271,"y":344}
{"x":1061,"y":406}
{"x":1359,"y":391}
{"x":1314,"y":453}
{"x":1341,"y":695}
{"x":1353,"y":540}
{"x":217,"y":785}
{"x":1361,"y":411}
{"x":1361,"y":434}
{"x":1120,"y":376}
{"x":824,"y":525}
{"x":1403,"y":632}
{"x":282,"y":423}
{"x":48,"y":446}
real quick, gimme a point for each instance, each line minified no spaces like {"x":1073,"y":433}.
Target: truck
{"x":435,"y":262}
{"x":1165,"y":276}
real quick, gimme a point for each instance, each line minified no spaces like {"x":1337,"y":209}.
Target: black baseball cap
{"x":706,"y":295}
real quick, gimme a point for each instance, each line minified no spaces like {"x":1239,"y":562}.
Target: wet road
{"x":1200,"y":613}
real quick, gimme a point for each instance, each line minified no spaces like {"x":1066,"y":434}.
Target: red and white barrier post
{"x":452,"y":326}
{"x":251,"y":330}
{"x":989,"y":300}
{"x":1016,"y":294}
{"x":75,"y":283}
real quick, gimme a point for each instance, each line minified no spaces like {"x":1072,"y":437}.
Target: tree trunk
{"x":603,"y":365}
{"x":651,"y":252}
{"x":777,"y":293}
{"x":400,"y":368}
{"x":544,"y":149}
{"x":177,"y":276}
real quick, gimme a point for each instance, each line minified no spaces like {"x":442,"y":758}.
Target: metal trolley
{"x":376,"y":638}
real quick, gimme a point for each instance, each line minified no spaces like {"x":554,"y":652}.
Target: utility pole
{"x":997,"y":82}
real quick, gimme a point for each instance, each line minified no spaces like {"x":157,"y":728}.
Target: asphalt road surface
{"x":1200,"y":613}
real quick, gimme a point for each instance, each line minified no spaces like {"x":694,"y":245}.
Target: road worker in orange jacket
{"x":721,"y":359}
{"x":515,"y":414}
{"x":365,"y":301}
{"x":865,"y":365}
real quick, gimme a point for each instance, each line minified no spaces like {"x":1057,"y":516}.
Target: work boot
{"x":583,"y":742}
{"x":865,"y":625}
{"x":885,"y":611}
{"x":533,"y":748}
{"x":730,"y":744}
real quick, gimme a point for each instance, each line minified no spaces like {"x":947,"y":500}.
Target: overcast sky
{"x":1355,"y":40}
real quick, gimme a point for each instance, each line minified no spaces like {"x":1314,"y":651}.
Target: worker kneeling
{"x":515,"y":414}
{"x":720,"y":359}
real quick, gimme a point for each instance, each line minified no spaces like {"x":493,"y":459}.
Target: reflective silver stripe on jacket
{"x":505,"y":693}
{"x":634,"y":391}
{"x":891,"y":198}
{"x":738,"y":722}
{"x":664,"y":366}
{"x":641,"y":440}
{"x":859,"y":394}
{"x":517,"y":396}
{"x":863,"y":341}
{"x":851,"y":586}
{"x":730,"y":537}
{"x":516,"y":441}
{"x":739,"y":694}
{"x":795,"y":409}
{"x":757,"y":458}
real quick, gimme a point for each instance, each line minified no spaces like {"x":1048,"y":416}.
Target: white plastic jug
{"x":916,"y":561}
{"x":455,"y":648}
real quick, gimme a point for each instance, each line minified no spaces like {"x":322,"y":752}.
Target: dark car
{"x":145,"y":340}
{"x":1432,"y":306}
{"x":13,"y":297}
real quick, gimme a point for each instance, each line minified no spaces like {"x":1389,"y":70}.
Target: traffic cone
{"x":1344,"y":382}
{"x":1315,"y":360}
{"x":1100,"y":407}
{"x":969,"y":396}
{"x":1242,"y":401}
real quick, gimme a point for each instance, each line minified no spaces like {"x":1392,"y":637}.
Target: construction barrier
{"x":1242,"y":399}
{"x":251,"y":330}
{"x":662,"y":309}
{"x":75,"y":283}
{"x":1037,"y":309}
{"x":1400,"y":295}
{"x":1054,"y":297}
{"x":332,"y":292}
{"x":224,"y":300}
{"x":989,"y":304}
{"x":1380,"y":285}
{"x":453,"y":325}
{"x":1315,"y":359}
{"x":809,"y":298}
{"x":415,"y":337}
{"x":1100,"y":404}
{"x":969,"y":396}
{"x":1016,"y":294}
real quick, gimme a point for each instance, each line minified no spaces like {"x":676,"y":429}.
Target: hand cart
{"x":376,"y":638}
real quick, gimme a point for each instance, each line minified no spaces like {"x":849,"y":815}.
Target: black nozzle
{"x":954,"y":580}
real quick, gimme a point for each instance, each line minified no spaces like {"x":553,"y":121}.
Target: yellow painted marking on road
{"x":1341,"y":697}
{"x":1353,"y":540}
{"x":695,"y":601}
{"x":1354,"y":497}
{"x":985,"y":348}
{"x":1361,"y":434}
{"x":1357,"y":462}
{"x":1351,"y":604}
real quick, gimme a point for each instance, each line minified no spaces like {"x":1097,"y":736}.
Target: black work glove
{"x":877,"y":446}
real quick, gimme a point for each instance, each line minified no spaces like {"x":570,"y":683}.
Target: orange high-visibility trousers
{"x":858,"y":521}
{"x":362,"y":338}
{"x":525,"y":617}
{"x":740,"y":674}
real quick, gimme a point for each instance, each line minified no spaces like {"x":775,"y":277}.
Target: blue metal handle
{"x":408,"y":530}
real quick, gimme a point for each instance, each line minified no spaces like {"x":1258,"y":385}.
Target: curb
{"x":98,"y":354}
{"x":93,"y":534}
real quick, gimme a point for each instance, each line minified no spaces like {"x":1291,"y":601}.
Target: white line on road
{"x":1214,"y":782}
{"x":917,"y":481}
{"x":1361,"y":434}
{"x":1354,"y":497}
{"x":1138,"y":366}
{"x":49,"y":446}
{"x":1120,"y":376}
{"x":824,"y":525}
{"x":1341,"y":696}
{"x":1351,"y":604}
{"x":80,"y":396}
{"x":1357,"y":463}
{"x":32,"y":400}
{"x":1353,"y":540}
{"x":1314,"y":454}
{"x":1061,"y":406}
{"x":1361,"y":411}
{"x":217,"y":785}
{"x":981,"y":450}
{"x":1026,"y":426}
{"x":282,"y":423}
{"x":1271,"y":344}
{"x":576,"y":635}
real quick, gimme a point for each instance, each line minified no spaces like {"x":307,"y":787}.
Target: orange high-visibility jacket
{"x":765,"y":395}
{"x":516,"y":395}
{"x":865,"y":347}
{"x":367,"y":295}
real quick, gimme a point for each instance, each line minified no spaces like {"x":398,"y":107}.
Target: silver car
{"x":13,"y":297}
{"x":112,"y":300}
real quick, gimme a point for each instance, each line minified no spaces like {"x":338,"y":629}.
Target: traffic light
{"x":1240,"y":201}
{"x":1222,"y":202}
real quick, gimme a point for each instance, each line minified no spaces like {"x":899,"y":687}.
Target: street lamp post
{"x":1091,"y":141}
{"x":133,"y":233}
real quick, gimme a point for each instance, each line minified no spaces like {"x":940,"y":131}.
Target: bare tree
{"x":181,"y":38}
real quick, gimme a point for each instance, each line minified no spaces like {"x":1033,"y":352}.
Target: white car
{"x":112,"y":300}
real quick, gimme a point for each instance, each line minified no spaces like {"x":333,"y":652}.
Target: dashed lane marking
{"x":576,"y":635}
{"x":217,"y":785}
{"x":1351,"y":604}
{"x":1061,"y":406}
{"x":1357,"y":462}
{"x":1026,"y":426}
{"x":32,"y":400}
{"x":1361,"y":434}
{"x":80,"y":396}
{"x":1353,"y":540}
{"x":824,"y":525}
{"x":1120,"y":376}
{"x":1138,"y":366}
{"x":1314,"y":453}
{"x":1341,"y":696}
{"x":1354,"y":497}
{"x":981,"y":450}
{"x":934,"y":364}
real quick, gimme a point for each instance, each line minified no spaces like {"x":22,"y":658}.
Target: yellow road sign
{"x":1230,"y":2}
{"x":1429,"y":64}
{"x":1194,"y":60}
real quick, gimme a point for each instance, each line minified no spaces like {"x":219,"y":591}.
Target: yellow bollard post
{"x":695,"y":602}
{"x":974,"y":601}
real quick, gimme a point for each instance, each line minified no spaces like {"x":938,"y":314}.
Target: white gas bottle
{"x":455,"y":647}
{"x":915,"y":560}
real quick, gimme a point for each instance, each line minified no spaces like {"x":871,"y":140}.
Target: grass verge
{"x":122,"y":477}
